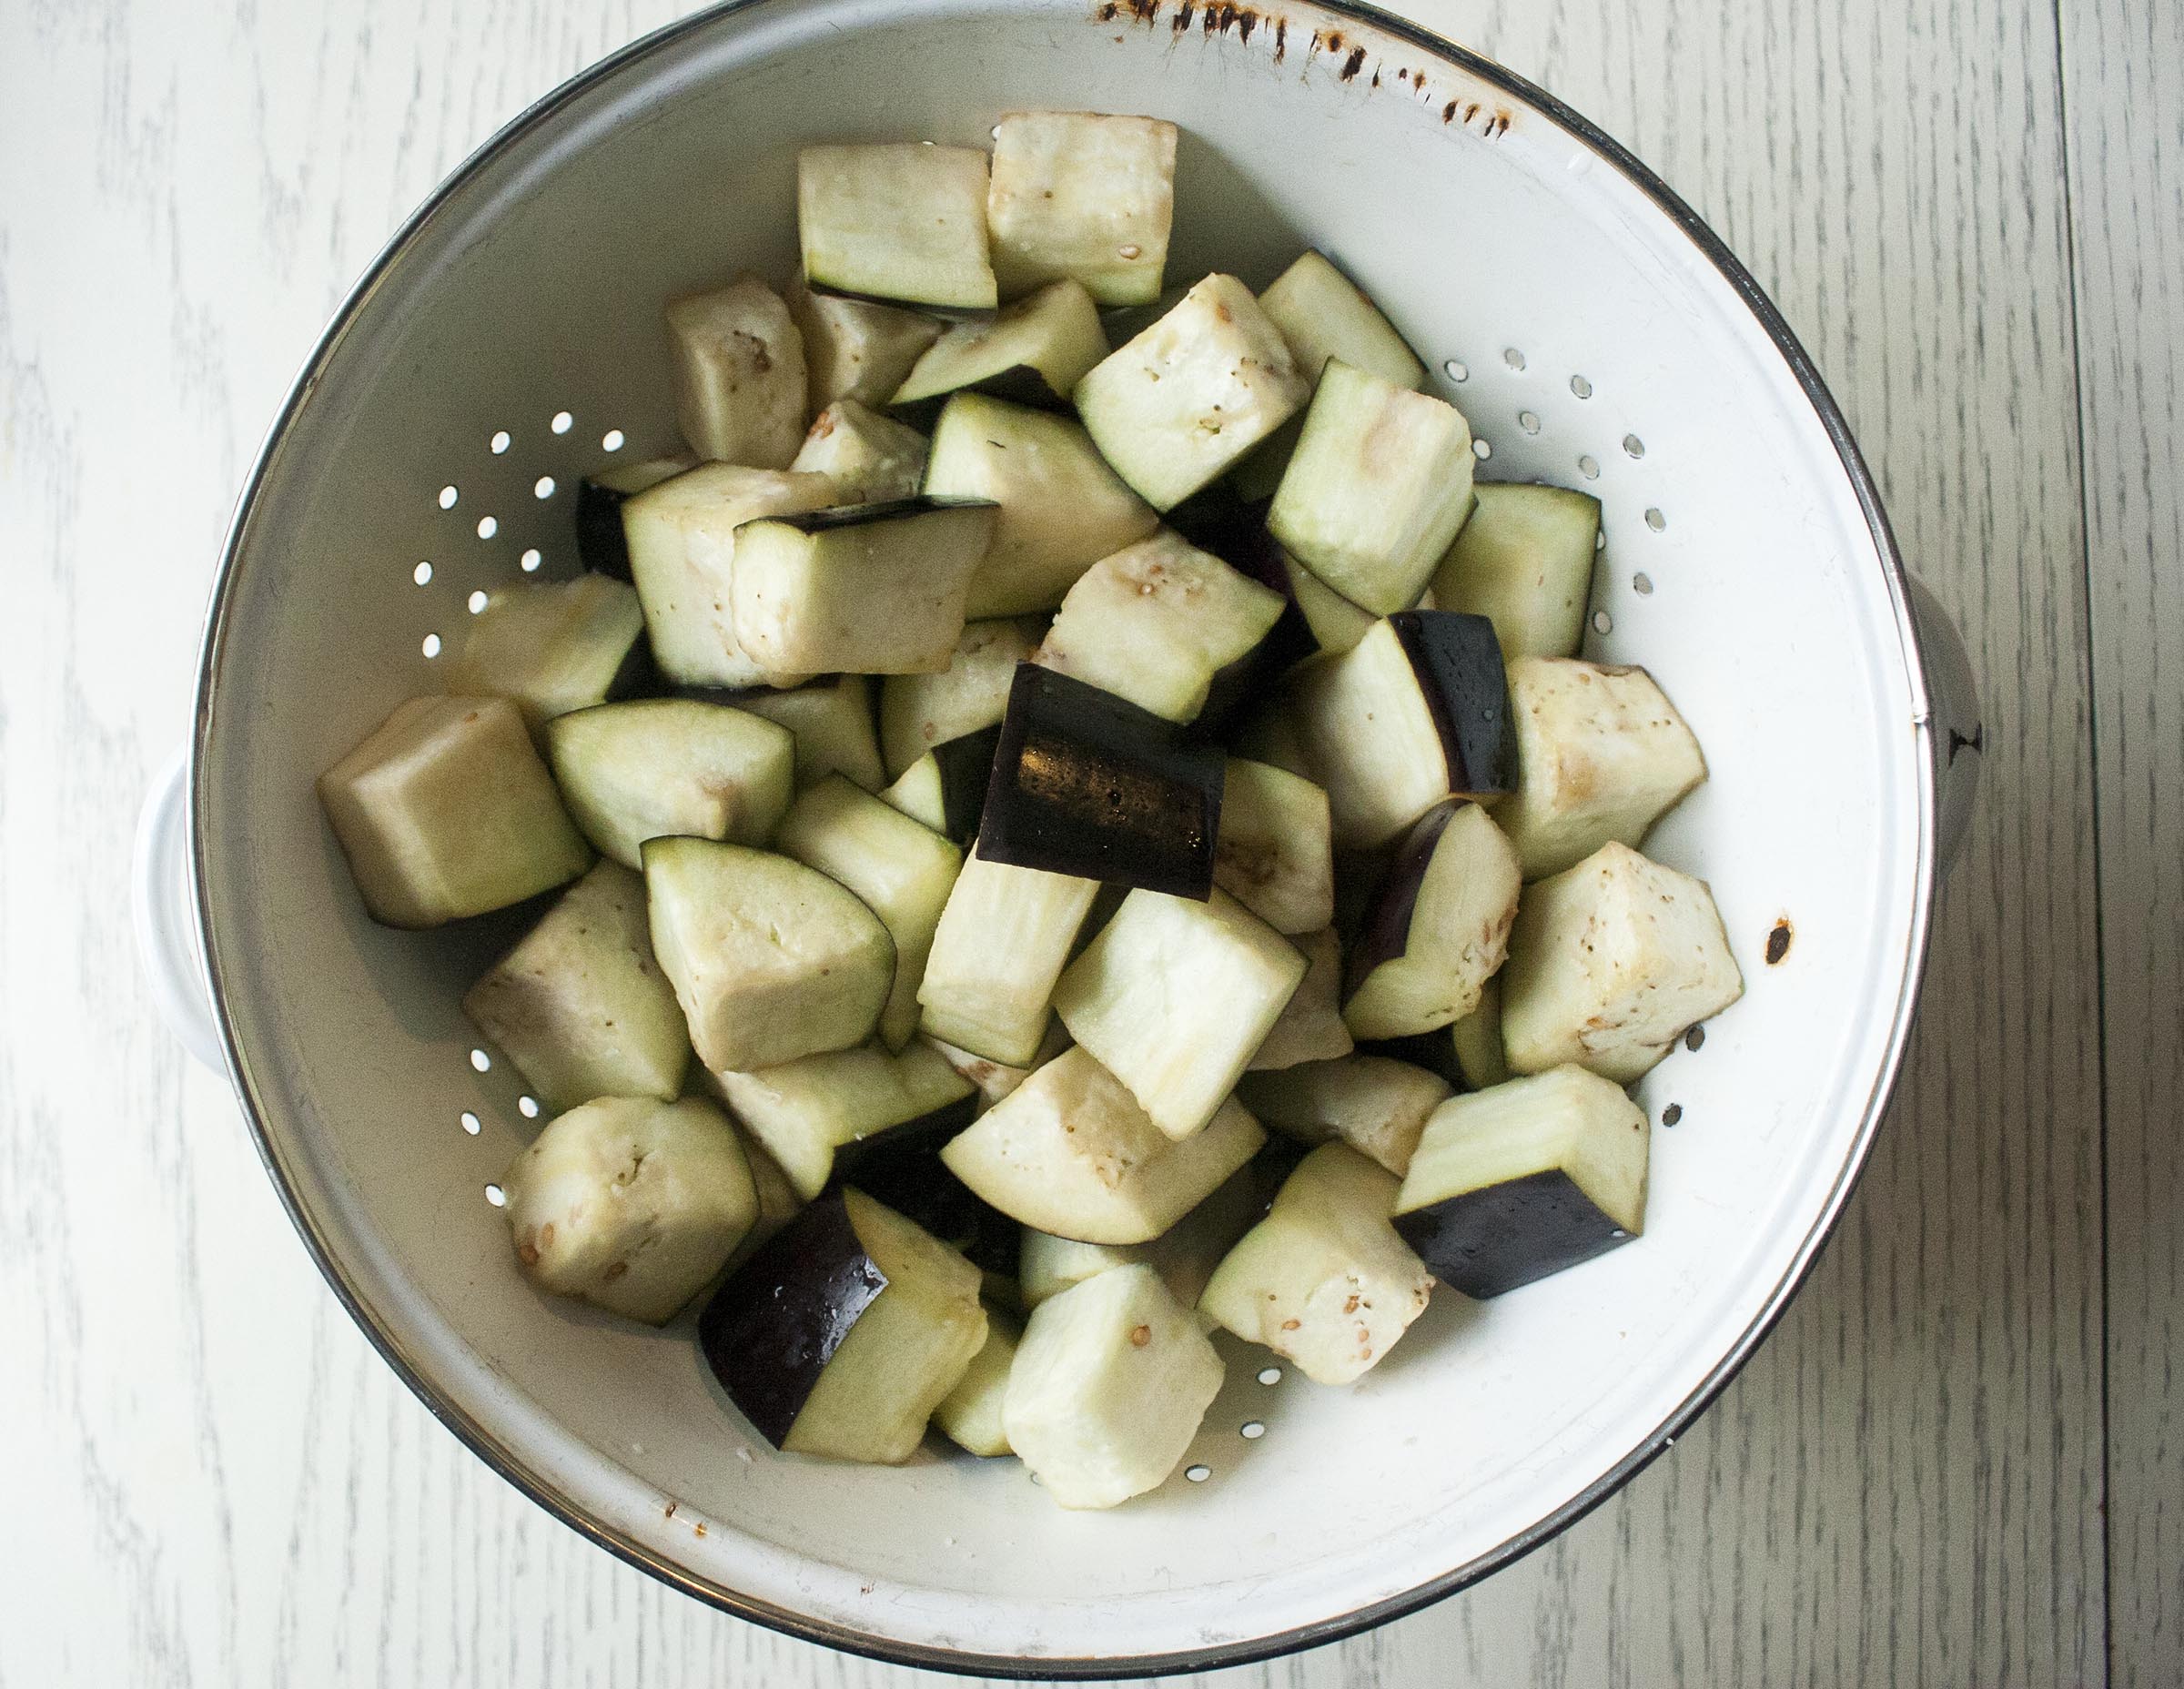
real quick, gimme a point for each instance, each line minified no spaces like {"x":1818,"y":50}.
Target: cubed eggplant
{"x":1182,"y":402}
{"x":830,"y":722}
{"x":1524,"y":561}
{"x":657,"y":768}
{"x":855,"y":349}
{"x":1438,"y":928}
{"x":1031,"y":352}
{"x":554,"y":647}
{"x":871,"y":458}
{"x":995,"y":1079}
{"x":902,"y":220}
{"x":1271,"y":853}
{"x":630,"y":1203}
{"x":446,"y":811}
{"x":1376,"y":1105}
{"x":1110,"y":1386}
{"x":969,"y":1416}
{"x":1084,"y":195}
{"x":1610,"y":963}
{"x":868,"y":588}
{"x":1175,"y":997}
{"x":1477,"y":1041}
{"x":1416,"y":712}
{"x":601,"y":546}
{"x":842,"y":1335}
{"x":580,"y":1005}
{"x":681,"y":536}
{"x":1325,"y":1281}
{"x":1215,"y":520}
{"x":1001,"y":945}
{"x":944,"y":789}
{"x":739,"y":374}
{"x":1062,"y":508}
{"x":770,"y":960}
{"x":822,"y":1117}
{"x":1523,"y":1180}
{"x":1311,"y":1027}
{"x":921,"y":712}
{"x":1602,"y":754}
{"x":1157,"y":622}
{"x":778,"y":1202}
{"x":1089,"y":785}
{"x":900,"y":870}
{"x":1380,"y":482}
{"x":1184,"y":1255}
{"x":1070,"y":1151}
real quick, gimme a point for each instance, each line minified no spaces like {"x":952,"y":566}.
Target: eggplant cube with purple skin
{"x":1602,"y":754}
{"x":855,"y":349}
{"x":1031,"y":352}
{"x":820,"y":1116}
{"x":554,"y":647}
{"x":842,"y":1334}
{"x":920,"y":712}
{"x":1175,"y":997}
{"x":1157,"y":622}
{"x":1610,"y":963}
{"x":1511,"y":1184}
{"x":1438,"y":928}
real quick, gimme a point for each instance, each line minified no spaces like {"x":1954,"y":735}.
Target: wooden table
{"x":1959,"y":1461}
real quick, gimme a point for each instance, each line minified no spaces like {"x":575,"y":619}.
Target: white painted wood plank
{"x":233,"y":1490}
{"x":2123,"y":72}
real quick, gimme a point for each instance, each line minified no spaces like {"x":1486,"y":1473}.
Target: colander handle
{"x":161,"y":901}
{"x":1959,"y":735}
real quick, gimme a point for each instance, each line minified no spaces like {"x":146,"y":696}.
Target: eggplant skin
{"x":967,"y":767}
{"x":1495,"y":1239}
{"x":769,"y":1331}
{"x":1090,"y":784}
{"x":1458,"y":663}
{"x":1385,"y":932}
{"x":601,"y":545}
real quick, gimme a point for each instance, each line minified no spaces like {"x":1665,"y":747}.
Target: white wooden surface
{"x":1970,"y":208}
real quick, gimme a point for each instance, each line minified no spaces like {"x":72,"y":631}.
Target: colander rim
{"x":483,"y":1442}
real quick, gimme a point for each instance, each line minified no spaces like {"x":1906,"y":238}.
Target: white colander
{"x":1594,"y":332}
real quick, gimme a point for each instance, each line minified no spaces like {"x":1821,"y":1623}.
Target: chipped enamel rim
{"x":511,"y":1466}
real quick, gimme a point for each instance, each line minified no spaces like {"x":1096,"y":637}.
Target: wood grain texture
{"x":1905,"y":1486}
{"x":2123,"y":68}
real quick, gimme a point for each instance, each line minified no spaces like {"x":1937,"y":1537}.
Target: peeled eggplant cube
{"x":1310,"y":1027}
{"x":1087,"y":784}
{"x":900,"y":870}
{"x":630,"y":1203}
{"x":1336,"y":624}
{"x":657,"y":768}
{"x":1602,"y":754}
{"x":1524,"y":561}
{"x":1323,"y":315}
{"x":1416,"y":712}
{"x":816,"y":1114}
{"x":841,"y":1336}
{"x":1175,"y":997}
{"x":682,"y":545}
{"x":1001,"y":945}
{"x":550,"y":648}
{"x":855,"y":349}
{"x":1525,"y":1180}
{"x":1476,"y":1038}
{"x":1062,"y":508}
{"x":869,"y":589}
{"x":580,"y":1005}
{"x":1084,"y":195}
{"x":1438,"y":930}
{"x":1047,"y":1265}
{"x":601,"y":546}
{"x":944,"y":789}
{"x":1273,"y":853}
{"x":1033,"y":352}
{"x":871,"y":458}
{"x":1108,"y":1388}
{"x":1379,"y":483}
{"x":1325,"y":1281}
{"x":770,"y":960}
{"x":830,"y":722}
{"x":897,"y":221}
{"x":919,"y":713}
{"x":739,"y":374}
{"x":1375,"y":1103}
{"x":970,"y":1415}
{"x":1610,"y":963}
{"x":1155,"y":622}
{"x":1184,"y":1255}
{"x":446,"y":811}
{"x":1185,"y":399}
{"x":994,"y":1079}
{"x":1070,"y":1151}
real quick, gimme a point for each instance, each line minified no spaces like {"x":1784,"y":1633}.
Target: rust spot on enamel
{"x":1281,"y":39}
{"x":1447,"y":111}
{"x":1778,"y":941}
{"x":1182,"y":21}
